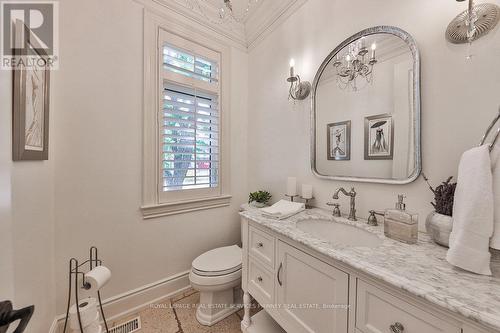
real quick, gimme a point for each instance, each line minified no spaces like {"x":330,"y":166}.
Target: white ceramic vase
{"x":439,"y":227}
{"x":257,"y":204}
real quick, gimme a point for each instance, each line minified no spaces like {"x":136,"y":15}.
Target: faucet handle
{"x":336,"y":209}
{"x":372,"y":219}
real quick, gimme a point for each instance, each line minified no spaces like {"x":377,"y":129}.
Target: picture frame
{"x":30,"y":112}
{"x":339,"y":141}
{"x":379,"y":137}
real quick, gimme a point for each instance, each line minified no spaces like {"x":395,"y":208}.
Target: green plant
{"x":259,"y":196}
{"x":443,"y":196}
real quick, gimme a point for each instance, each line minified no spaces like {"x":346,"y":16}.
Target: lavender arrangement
{"x":443,"y":196}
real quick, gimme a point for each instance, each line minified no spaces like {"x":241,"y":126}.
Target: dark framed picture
{"x":379,"y":137}
{"x":339,"y":141}
{"x":30,"y":118}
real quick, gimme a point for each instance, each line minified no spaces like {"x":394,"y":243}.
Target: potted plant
{"x":439,"y":222}
{"x":259,"y":199}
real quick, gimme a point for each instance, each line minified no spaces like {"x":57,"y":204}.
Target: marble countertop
{"x":420,"y":269}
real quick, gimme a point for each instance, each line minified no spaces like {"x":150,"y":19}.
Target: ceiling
{"x":263,"y":17}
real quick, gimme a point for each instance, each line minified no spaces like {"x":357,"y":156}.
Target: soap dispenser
{"x":401,"y":225}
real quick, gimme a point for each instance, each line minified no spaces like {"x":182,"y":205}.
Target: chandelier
{"x":227,"y":12}
{"x":355,"y":65}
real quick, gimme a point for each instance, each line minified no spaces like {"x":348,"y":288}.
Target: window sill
{"x":181,"y":207}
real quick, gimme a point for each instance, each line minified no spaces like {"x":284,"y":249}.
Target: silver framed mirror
{"x":370,"y":81}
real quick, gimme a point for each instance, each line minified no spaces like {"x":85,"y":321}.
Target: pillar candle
{"x":307,"y":191}
{"x":291,"y":186}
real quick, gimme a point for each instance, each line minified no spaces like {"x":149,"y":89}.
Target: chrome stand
{"x":74,"y":272}
{"x":307,"y":202}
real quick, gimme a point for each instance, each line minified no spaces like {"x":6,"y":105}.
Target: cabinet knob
{"x":397,"y":328}
{"x":259,"y":279}
{"x":260,"y":244}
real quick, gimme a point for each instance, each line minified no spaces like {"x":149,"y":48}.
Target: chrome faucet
{"x":352,"y":195}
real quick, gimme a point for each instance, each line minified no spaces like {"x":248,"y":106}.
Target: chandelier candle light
{"x":354,"y":64}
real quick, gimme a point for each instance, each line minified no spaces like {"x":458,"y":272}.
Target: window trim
{"x":153,"y":205}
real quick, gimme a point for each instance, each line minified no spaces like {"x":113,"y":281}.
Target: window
{"x":188,"y":127}
{"x":190,"y":124}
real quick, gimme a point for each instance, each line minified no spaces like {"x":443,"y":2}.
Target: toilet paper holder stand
{"x":75,"y":271}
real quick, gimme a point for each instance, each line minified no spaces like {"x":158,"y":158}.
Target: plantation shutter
{"x":189,"y":117}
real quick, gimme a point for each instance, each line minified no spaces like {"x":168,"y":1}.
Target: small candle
{"x":307,"y":191}
{"x":292,"y":69}
{"x":374,"y":46}
{"x":291,"y":186}
{"x":348,"y":59}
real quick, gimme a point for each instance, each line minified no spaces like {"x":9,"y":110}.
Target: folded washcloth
{"x":283,"y":209}
{"x":472,"y":213}
{"x":495,"y":170}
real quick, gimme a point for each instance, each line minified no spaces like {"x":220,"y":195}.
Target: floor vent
{"x":133,"y":325}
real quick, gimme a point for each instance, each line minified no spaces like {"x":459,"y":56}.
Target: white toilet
{"x":216,"y":274}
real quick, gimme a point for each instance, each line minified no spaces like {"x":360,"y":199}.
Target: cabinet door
{"x":311,"y":295}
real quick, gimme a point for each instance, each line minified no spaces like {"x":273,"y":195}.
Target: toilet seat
{"x":218,"y":262}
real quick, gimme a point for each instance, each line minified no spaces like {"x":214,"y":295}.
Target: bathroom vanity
{"x":317,"y":273}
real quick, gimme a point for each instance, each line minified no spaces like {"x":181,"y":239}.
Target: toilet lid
{"x":220,"y":261}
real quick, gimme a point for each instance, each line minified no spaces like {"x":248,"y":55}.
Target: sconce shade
{"x":487,"y":15}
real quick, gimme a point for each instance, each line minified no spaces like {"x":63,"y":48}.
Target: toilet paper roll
{"x":93,"y":328}
{"x":98,"y":277}
{"x":88,"y":313}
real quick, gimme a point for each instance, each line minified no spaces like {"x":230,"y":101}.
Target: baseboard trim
{"x":135,"y":300}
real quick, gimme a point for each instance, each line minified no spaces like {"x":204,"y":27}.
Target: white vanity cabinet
{"x":307,"y":294}
{"x":304,"y":291}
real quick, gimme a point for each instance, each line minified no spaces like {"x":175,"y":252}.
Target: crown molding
{"x":262,"y":20}
{"x":233,"y":31}
{"x":266,"y":17}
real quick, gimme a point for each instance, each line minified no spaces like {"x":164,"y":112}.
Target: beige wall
{"x":458,"y":98}
{"x":98,"y":98}
{"x":26,"y":224}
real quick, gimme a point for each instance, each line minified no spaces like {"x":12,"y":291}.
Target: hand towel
{"x":495,"y":170}
{"x":283,"y":209}
{"x":472,"y":213}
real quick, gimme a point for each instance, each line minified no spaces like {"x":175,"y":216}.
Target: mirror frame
{"x":408,"y":39}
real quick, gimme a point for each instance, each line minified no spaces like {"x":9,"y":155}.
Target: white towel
{"x":495,"y":170}
{"x":472,"y":213}
{"x":283,"y":209}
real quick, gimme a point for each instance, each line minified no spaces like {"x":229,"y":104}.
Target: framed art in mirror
{"x":379,"y":137}
{"x":339,"y":141}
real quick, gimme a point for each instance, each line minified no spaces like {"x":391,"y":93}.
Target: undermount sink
{"x":339,"y":233}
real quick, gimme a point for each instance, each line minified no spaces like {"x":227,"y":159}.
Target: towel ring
{"x":488,"y":130}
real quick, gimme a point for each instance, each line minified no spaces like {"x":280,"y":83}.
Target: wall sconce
{"x":473,"y":23}
{"x":298,"y":90}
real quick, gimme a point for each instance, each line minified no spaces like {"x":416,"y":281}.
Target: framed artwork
{"x":339,"y":141}
{"x":379,"y":137}
{"x":30,"y":127}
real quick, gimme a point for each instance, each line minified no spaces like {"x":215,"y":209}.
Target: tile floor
{"x":178,"y":315}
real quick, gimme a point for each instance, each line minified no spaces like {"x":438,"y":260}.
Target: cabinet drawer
{"x":261,"y":246}
{"x":377,"y":310}
{"x":260,"y":282}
